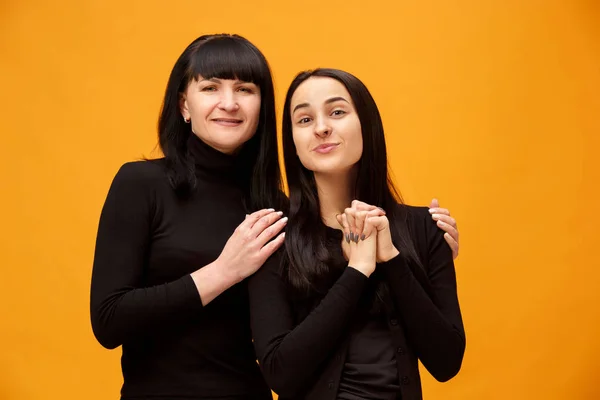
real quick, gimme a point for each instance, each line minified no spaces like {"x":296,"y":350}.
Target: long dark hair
{"x":223,"y":56}
{"x":305,"y":243}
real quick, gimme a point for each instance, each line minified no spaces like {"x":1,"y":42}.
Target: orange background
{"x":492,"y":106}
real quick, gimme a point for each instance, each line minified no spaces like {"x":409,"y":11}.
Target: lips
{"x":325,"y":147}
{"x":227,"y":121}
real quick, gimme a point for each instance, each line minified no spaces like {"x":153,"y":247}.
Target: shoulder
{"x":141,"y":171}
{"x":147,"y":173}
{"x":417,"y":213}
{"x":140,"y":178}
{"x":422,"y":227}
{"x":416,"y":217}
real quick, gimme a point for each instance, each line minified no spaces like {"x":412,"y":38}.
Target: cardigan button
{"x":330,"y":385}
{"x":405,"y":380}
{"x":400,"y":351}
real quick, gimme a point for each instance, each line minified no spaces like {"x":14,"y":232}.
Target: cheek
{"x":253,"y":108}
{"x":357,"y":145}
{"x":300,"y":142}
{"x":355,"y":140}
{"x":199,"y":106}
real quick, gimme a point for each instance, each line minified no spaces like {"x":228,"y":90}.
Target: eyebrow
{"x":328,"y":101}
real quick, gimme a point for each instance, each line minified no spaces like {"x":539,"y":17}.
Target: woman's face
{"x":325,"y":126}
{"x":224,"y":113}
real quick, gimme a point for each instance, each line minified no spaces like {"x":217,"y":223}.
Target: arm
{"x":433,"y":322}
{"x":120,"y":308}
{"x":289,"y":354}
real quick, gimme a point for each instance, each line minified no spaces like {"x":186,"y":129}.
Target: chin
{"x":331,"y":169}
{"x":333,"y":166}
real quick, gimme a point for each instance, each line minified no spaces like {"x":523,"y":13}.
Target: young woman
{"x":366,"y":285}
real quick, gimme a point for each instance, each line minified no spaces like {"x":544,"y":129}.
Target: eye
{"x":246,"y":90}
{"x":338,"y":112}
{"x":304,"y":120}
{"x":209,"y":88}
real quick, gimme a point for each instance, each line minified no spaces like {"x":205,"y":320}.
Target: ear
{"x":183,"y":106}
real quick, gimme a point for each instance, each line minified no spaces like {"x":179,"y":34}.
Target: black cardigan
{"x":302,"y":351}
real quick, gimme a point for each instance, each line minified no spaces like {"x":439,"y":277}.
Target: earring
{"x":187,"y":121}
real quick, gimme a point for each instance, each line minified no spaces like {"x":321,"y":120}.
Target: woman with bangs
{"x":179,"y":235}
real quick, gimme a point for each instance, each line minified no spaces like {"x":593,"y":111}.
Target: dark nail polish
{"x":347,"y":238}
{"x":356,"y":237}
{"x":362,"y":237}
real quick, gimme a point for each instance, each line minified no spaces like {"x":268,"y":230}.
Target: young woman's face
{"x":224,"y":113}
{"x":325,"y":126}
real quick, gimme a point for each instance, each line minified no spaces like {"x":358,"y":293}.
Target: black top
{"x":143,"y":297}
{"x":302,"y":346}
{"x":370,"y":370}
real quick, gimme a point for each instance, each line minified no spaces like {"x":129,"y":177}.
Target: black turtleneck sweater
{"x":143,"y":297}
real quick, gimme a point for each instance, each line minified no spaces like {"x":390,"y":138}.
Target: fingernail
{"x":435,"y":216}
{"x":362,"y":237}
{"x":284,"y":220}
{"x":381,"y":209}
{"x":441,"y":223}
{"x":247,"y":215}
{"x":431,"y":211}
{"x":347,"y":238}
{"x":270,"y":209}
{"x":279,"y":213}
{"x":356,"y":238}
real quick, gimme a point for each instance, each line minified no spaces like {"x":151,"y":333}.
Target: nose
{"x":322,"y":129}
{"x":228,"y":101}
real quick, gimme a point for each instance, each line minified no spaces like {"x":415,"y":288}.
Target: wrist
{"x":388,"y":254}
{"x":218,"y":273}
{"x":212,"y":280}
{"x":365,"y":268}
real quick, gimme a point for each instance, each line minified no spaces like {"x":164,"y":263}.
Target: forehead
{"x":317,"y":89}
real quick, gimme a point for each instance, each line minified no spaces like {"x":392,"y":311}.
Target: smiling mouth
{"x":326,"y":148}
{"x":227,"y":121}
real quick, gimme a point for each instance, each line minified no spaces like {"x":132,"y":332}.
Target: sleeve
{"x":120,"y":308}
{"x":290,"y":353}
{"x":428,"y":305}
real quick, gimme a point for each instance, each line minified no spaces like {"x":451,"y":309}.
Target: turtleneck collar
{"x":210,"y":161}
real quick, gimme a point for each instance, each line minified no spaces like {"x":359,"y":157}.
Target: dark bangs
{"x":228,"y":57}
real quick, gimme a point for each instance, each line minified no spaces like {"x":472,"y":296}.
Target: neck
{"x":336,"y":192}
{"x":210,"y":161}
